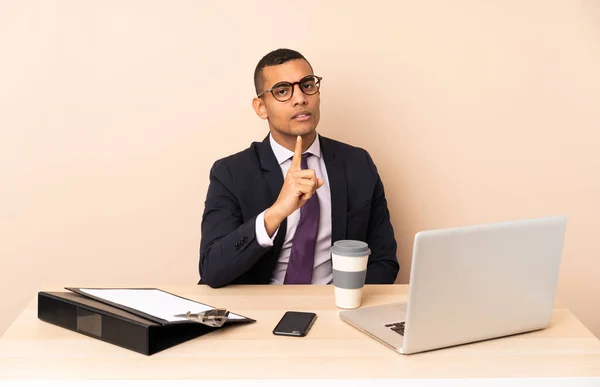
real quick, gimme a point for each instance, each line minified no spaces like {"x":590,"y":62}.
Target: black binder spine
{"x":114,"y":326}
{"x":94,"y":323}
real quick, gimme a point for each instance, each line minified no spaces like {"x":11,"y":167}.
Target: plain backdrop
{"x":112,"y":113}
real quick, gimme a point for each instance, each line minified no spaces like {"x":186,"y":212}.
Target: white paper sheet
{"x":154,"y":302}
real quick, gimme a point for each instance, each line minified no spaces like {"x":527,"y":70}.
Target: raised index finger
{"x":296,"y":164}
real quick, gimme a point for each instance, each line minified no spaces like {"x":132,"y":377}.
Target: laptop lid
{"x":480,"y":282}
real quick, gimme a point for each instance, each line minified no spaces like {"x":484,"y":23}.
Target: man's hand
{"x":299,"y":186}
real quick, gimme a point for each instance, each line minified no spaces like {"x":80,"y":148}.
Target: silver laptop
{"x":472,"y":283}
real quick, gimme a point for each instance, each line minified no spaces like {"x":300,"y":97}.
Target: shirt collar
{"x":283,"y":154}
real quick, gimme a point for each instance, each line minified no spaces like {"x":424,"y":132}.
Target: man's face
{"x":297,"y":116}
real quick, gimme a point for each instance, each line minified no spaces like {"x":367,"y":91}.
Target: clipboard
{"x":161,"y":307}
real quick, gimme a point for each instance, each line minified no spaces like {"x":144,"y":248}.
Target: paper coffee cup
{"x":349,"y":260}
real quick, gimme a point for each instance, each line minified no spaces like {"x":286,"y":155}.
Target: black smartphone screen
{"x":295,"y":324}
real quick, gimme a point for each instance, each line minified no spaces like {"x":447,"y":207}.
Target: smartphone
{"x":295,"y":324}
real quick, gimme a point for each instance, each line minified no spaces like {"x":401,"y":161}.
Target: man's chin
{"x":303,"y":130}
{"x":304,"y":133}
{"x":296,"y":131}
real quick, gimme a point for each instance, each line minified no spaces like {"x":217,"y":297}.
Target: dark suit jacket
{"x":245,"y":184}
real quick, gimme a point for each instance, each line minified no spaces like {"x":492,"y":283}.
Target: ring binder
{"x":128,"y":327}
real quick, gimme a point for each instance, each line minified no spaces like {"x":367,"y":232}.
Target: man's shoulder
{"x":355,"y":158}
{"x":247,"y":157}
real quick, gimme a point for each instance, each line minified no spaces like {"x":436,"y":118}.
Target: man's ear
{"x":259,"y":107}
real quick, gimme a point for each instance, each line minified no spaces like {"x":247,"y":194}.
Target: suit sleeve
{"x":228,"y":246}
{"x":383,"y":265}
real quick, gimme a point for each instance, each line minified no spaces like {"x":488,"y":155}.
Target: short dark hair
{"x":274,"y":58}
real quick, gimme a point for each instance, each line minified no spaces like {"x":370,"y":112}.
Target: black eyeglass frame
{"x":292,"y":85}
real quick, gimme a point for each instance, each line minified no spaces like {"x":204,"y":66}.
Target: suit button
{"x":244,"y":239}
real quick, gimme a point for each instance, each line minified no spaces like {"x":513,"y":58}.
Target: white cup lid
{"x":350,"y":248}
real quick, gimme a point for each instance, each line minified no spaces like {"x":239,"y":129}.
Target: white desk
{"x":333,"y":350}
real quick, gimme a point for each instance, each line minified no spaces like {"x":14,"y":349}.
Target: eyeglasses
{"x":283,"y":91}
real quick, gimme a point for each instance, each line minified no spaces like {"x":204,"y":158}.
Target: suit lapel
{"x":272,"y":173}
{"x":336,"y":172}
{"x":270,"y":168}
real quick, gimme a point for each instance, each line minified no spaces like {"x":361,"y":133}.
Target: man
{"x":273,"y":211}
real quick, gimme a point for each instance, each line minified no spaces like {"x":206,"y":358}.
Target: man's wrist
{"x":272,"y":220}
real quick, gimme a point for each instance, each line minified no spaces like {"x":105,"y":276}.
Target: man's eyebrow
{"x":280,"y":83}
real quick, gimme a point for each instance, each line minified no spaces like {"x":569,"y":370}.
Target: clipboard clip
{"x":212,"y":317}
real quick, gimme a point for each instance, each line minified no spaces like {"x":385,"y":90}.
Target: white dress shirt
{"x":322,"y":269}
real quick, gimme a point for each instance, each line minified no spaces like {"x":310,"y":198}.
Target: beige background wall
{"x":112,"y":112}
